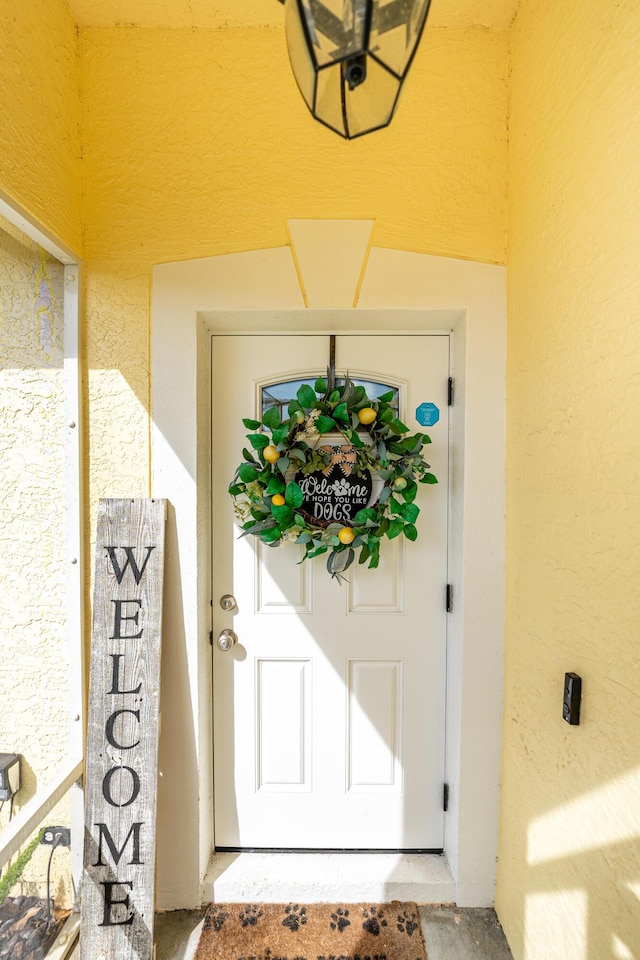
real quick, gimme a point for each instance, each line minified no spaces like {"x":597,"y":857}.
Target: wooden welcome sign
{"x":122,"y":749}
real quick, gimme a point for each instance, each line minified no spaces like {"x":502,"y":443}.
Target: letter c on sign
{"x":110,"y":725}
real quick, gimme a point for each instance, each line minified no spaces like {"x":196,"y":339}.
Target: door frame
{"x":263,"y":291}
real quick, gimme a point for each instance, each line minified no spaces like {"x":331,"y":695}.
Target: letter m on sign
{"x":118,"y":890}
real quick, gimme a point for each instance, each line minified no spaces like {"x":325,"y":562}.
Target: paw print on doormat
{"x":339,"y":920}
{"x":215,"y":919}
{"x":296,"y":917}
{"x":374,"y":919}
{"x":250,"y":916}
{"x":407,"y":923}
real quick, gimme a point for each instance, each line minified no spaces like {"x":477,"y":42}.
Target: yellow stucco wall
{"x":40,"y":168}
{"x":40,"y":154}
{"x":569,"y":866}
{"x":197,"y":142}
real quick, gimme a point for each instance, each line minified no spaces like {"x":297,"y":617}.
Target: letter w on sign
{"x":118,"y":889}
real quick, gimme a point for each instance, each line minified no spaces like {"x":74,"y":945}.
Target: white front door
{"x":329,"y":711}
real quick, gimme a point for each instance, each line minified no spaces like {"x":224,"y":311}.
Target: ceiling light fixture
{"x":351,"y":57}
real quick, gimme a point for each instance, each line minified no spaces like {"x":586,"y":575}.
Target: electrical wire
{"x":56,"y":843}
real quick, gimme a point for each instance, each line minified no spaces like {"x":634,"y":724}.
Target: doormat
{"x":319,"y":931}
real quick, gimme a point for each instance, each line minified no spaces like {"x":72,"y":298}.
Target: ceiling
{"x":496,"y":14}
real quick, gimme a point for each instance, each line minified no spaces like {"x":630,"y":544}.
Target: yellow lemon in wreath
{"x":277,"y":500}
{"x":346,"y":535}
{"x":367,"y":415}
{"x":270,"y":453}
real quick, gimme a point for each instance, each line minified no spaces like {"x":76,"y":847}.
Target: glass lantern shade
{"x":350,"y":57}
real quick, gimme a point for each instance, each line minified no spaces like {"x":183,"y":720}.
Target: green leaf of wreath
{"x":339,"y":560}
{"x":258,"y":527}
{"x":258,"y":440}
{"x":276,"y":485}
{"x":410,"y":491}
{"x":395,"y":528}
{"x":306,"y":396}
{"x":317,"y":552}
{"x":387,"y":397}
{"x":325,"y":424}
{"x":283,"y":514}
{"x":429,"y":478}
{"x":320,"y":386}
{"x":410,"y":443}
{"x":399,"y":427}
{"x":294,"y":495}
{"x":270,"y":536}
{"x":363,"y":515}
{"x":385,"y":493}
{"x":271,"y":418}
{"x":340,"y":413}
{"x":251,"y":424}
{"x":247,"y":473}
{"x":236,"y":488}
{"x":410,"y":531}
{"x":280,"y":434}
{"x":409,"y":512}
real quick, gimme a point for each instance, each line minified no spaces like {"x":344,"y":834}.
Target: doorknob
{"x":228,"y":602}
{"x":226,"y":640}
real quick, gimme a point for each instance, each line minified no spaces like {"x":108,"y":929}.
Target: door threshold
{"x":328,"y":878}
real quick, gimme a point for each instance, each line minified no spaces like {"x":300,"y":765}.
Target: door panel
{"x":329,"y":712}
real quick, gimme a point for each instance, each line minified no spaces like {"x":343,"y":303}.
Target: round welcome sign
{"x":335,"y":494}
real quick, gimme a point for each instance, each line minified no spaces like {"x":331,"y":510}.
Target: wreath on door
{"x":299,"y":484}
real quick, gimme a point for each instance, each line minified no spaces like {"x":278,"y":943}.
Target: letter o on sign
{"x":106,"y":786}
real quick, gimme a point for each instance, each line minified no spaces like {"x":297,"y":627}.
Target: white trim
{"x":400,"y":292}
{"x":23,"y":220}
{"x":75,"y":559}
{"x":64,"y":942}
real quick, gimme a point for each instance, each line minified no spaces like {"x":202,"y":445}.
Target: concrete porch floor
{"x":450,"y":933}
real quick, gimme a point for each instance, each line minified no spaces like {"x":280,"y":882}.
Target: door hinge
{"x":450,"y":392}
{"x":211,"y":637}
{"x":445,"y":797}
{"x":449,"y":597}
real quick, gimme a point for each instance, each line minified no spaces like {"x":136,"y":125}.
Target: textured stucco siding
{"x":33,"y":616}
{"x":40,"y":154}
{"x":570,"y":820}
